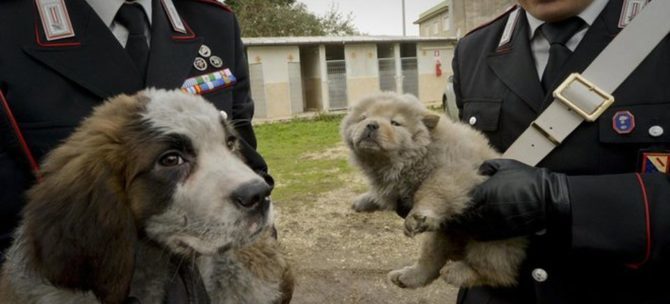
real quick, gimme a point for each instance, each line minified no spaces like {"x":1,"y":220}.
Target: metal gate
{"x":410,"y":83}
{"x":387,"y":74}
{"x":295,"y":87}
{"x":337,"y":84}
{"x":258,"y":90}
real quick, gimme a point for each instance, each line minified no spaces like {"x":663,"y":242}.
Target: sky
{"x":377,"y":17}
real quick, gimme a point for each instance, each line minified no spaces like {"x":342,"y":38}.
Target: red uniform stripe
{"x":647,"y":252}
{"x":22,"y":141}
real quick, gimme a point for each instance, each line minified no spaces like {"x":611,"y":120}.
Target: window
{"x":436,"y":29}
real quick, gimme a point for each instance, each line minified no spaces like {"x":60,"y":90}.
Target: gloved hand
{"x":132,"y":300}
{"x":403,"y":207}
{"x":516,"y":200}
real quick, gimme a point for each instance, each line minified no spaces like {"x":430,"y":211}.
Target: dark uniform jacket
{"x":616,"y":248}
{"x":47,"y":87}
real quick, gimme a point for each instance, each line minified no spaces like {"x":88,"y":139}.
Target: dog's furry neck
{"x":153,"y":271}
{"x":402,"y":170}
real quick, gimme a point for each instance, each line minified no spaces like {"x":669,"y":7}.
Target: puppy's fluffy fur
{"x":147,"y":183}
{"x":413,"y":156}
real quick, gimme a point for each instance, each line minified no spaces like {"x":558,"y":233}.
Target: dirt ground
{"x":340,"y":256}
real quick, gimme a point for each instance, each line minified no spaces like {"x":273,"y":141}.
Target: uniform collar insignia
{"x":173,"y":16}
{"x":55,"y":19}
{"x":511,"y":24}
{"x":629,"y":10}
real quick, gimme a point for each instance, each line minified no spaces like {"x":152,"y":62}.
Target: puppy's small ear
{"x":80,"y":230}
{"x":430,"y":120}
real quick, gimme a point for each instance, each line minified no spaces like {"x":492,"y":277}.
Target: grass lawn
{"x":297,"y":153}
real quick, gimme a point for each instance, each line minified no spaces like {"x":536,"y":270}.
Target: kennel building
{"x":295,"y":75}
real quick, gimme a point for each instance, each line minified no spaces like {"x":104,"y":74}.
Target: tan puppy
{"x":412,"y":155}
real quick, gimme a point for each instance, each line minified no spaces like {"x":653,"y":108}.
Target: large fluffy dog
{"x":413,"y":156}
{"x":147,"y":184}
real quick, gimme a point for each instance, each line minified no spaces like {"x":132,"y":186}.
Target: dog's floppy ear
{"x":79,"y":226}
{"x":430,"y":120}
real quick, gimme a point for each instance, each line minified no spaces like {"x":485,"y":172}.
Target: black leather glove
{"x":516,"y":200}
{"x":132,"y":300}
{"x":403,"y":207}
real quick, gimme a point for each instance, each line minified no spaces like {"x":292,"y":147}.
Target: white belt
{"x":587,"y":96}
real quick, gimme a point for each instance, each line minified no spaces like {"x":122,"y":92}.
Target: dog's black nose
{"x":373,"y":126}
{"x":251,"y":194}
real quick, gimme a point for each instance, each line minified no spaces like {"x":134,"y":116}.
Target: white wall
{"x":275,"y":61}
{"x":362,"y":70}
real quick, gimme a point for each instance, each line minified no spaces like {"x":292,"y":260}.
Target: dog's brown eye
{"x":395,"y":123}
{"x":171,"y":160}
{"x":230,"y":141}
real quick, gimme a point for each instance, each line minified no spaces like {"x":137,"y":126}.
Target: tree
{"x":336,"y":24}
{"x":268,"y":18}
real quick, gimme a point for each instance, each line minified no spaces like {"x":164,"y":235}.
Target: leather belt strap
{"x":586,"y":96}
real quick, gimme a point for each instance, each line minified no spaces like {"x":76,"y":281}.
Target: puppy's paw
{"x":421,"y":221}
{"x":412,"y":277}
{"x":460,"y":274}
{"x":365,"y":203}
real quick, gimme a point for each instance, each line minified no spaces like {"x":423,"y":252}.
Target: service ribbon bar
{"x":208,"y":82}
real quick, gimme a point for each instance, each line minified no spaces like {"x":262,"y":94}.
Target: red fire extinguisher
{"x":438,"y":67}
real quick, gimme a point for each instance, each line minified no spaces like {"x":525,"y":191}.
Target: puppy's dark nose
{"x":251,"y":194}
{"x":373,"y":126}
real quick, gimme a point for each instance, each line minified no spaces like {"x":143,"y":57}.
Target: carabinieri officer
{"x":61,"y":58}
{"x":597,"y":208}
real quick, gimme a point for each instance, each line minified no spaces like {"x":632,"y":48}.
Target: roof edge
{"x":433,"y":11}
{"x":315,"y":40}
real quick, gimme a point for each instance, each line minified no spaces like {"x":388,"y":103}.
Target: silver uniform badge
{"x":216,"y":61}
{"x":200,"y":64}
{"x":55,"y":19}
{"x":204,"y":51}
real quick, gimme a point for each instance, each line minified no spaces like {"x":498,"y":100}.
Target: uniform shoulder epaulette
{"x":507,"y":11}
{"x":218,"y":3}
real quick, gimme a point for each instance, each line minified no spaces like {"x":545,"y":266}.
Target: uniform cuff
{"x":610,"y":217}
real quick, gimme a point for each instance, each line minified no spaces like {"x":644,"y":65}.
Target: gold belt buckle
{"x":576,"y":77}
